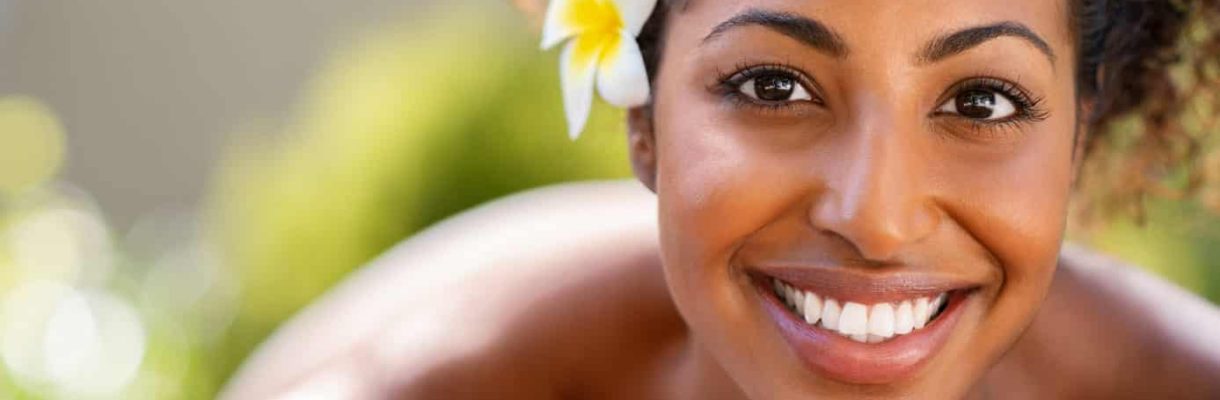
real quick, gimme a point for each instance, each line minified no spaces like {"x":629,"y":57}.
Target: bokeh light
{"x":33,"y":142}
{"x":64,"y":332}
{"x":63,"y":244}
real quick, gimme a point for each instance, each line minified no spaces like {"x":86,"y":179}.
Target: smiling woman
{"x":848,"y":199}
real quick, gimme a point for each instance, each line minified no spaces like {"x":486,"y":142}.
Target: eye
{"x":980,"y":104}
{"x":775,"y":87}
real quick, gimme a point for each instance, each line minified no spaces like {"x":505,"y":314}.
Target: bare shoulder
{"x":1109,"y":329}
{"x":1185,"y":321}
{"x":507,"y":275}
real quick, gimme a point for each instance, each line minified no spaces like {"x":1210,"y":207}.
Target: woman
{"x":851,"y":200}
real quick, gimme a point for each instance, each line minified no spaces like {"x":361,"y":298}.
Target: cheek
{"x":714,"y":188}
{"x":702,"y":204}
{"x":1016,"y":209}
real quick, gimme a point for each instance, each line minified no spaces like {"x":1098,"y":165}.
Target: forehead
{"x":886,"y":23}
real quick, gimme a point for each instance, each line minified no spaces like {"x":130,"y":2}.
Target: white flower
{"x":602,"y":50}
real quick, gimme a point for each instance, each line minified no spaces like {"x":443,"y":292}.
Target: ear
{"x":641,"y":143}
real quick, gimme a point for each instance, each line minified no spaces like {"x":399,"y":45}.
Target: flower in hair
{"x":601,"y":51}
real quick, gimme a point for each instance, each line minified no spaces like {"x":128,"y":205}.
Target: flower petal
{"x":577,"y":68}
{"x":634,"y":14}
{"x":567,"y":18}
{"x":621,"y":78}
{"x":555,"y":26}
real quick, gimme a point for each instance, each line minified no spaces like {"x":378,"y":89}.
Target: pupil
{"x":773,"y":87}
{"x":977,"y":104}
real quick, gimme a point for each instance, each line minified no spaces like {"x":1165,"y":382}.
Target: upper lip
{"x":869,"y":286}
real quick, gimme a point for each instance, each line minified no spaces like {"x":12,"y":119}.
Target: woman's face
{"x":850,"y":163}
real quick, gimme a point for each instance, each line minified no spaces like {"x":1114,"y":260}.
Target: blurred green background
{"x":177,"y":181}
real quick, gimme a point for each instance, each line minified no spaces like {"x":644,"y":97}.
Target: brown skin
{"x":868,"y":177}
{"x":608,"y":328}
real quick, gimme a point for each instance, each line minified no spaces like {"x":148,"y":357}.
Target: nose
{"x":874,"y":195}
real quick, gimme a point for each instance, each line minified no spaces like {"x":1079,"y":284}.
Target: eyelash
{"x":728,"y":85}
{"x":1028,"y":108}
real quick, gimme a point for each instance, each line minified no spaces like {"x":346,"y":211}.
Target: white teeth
{"x":813,"y":308}
{"x":830,"y":314}
{"x":881,"y":320}
{"x":904,"y":319}
{"x":920,"y":312}
{"x":854,"y":319}
{"x":863,"y":323}
{"x":798,"y":301}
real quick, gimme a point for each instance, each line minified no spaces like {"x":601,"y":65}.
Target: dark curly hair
{"x":1151,"y":70}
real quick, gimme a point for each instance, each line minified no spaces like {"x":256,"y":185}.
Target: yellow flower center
{"x":599,"y":24}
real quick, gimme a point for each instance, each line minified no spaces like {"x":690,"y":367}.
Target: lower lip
{"x":840,"y":358}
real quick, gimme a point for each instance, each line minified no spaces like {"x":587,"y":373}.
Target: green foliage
{"x":1178,"y":240}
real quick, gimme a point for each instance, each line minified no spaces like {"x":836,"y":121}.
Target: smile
{"x":861,"y":327}
{"x":871,"y":323}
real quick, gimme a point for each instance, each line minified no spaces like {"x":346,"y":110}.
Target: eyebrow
{"x":817,"y":35}
{"x":806,"y":30}
{"x":948,"y":45}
